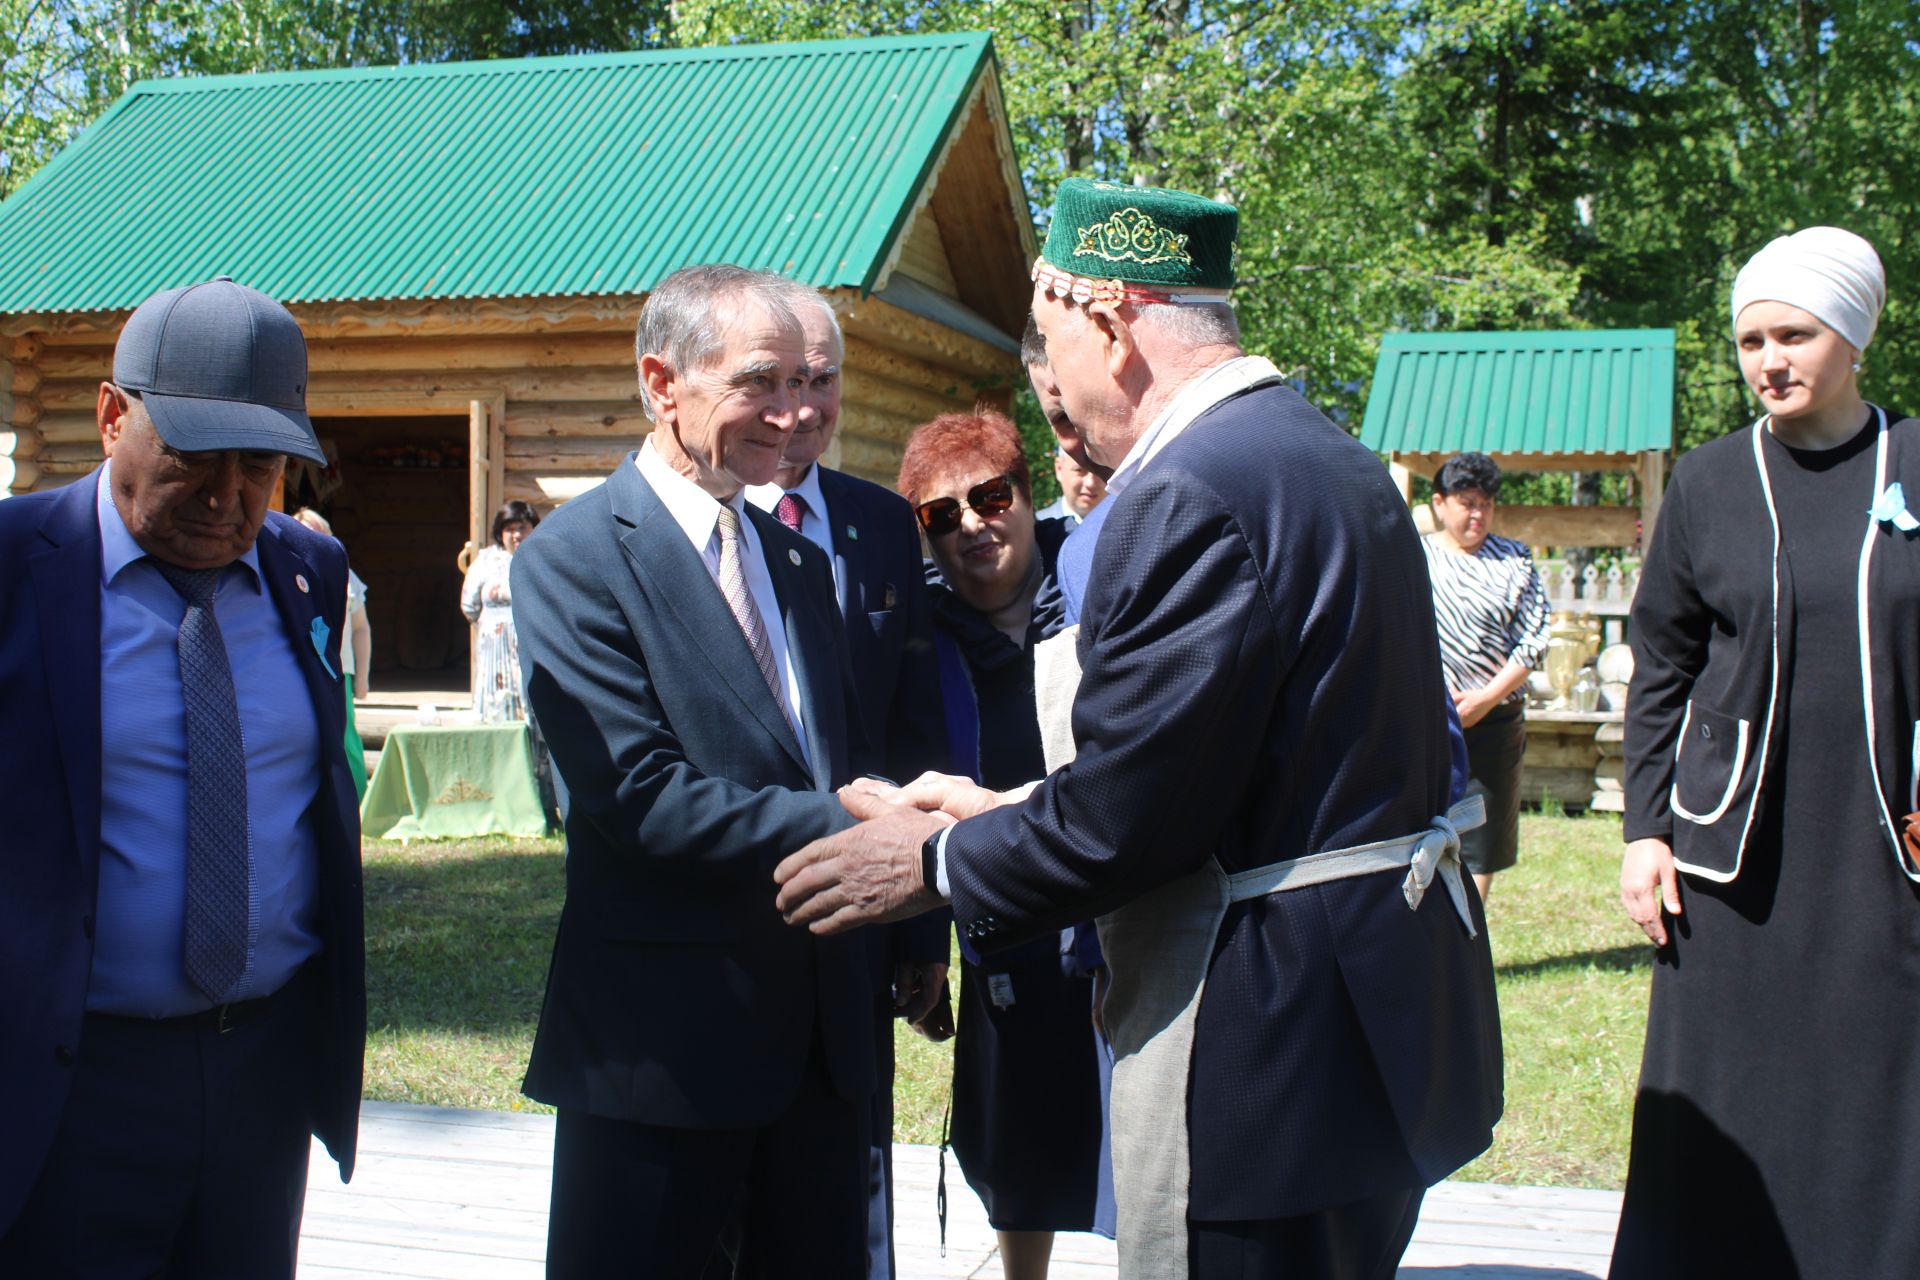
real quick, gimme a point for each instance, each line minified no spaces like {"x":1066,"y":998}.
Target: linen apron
{"x":1158,"y":948}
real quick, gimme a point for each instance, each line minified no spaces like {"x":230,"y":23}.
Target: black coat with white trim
{"x":1713,"y":631}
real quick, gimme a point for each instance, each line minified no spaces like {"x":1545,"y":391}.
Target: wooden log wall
{"x":21,"y":439}
{"x":563,"y":369}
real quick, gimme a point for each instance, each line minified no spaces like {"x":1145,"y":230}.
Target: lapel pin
{"x":853,"y":534}
{"x":300,"y":581}
{"x":320,"y":634}
{"x":793,"y":556}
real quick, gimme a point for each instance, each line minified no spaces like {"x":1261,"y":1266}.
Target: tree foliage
{"x":1399,"y":164}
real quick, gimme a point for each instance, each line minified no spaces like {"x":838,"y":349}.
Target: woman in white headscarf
{"x":1773,"y":732}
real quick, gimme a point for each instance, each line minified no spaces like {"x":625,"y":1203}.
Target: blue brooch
{"x":1891,"y":508}
{"x":320,"y":635}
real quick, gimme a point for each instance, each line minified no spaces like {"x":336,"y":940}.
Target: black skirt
{"x":1029,"y":1085}
{"x":1496,"y":747}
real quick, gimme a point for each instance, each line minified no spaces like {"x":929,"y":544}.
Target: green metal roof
{"x":539,"y":176}
{"x":1570,"y":391}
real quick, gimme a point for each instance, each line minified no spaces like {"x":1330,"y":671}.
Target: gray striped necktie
{"x":733,"y":585}
{"x":217,"y":872}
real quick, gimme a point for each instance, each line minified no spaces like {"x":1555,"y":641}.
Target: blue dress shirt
{"x":140,"y":928}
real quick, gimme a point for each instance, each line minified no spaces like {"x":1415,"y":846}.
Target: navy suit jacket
{"x":677,"y":995}
{"x":882,"y":585}
{"x":50,"y":756}
{"x":1263,"y":681}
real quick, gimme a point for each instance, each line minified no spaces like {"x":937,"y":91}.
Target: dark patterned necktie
{"x":217,"y":872}
{"x":791,"y":510}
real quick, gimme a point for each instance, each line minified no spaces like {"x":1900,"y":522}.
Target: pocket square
{"x":1891,"y":508}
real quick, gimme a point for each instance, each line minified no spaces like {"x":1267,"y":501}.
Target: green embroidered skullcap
{"x":1142,"y":235}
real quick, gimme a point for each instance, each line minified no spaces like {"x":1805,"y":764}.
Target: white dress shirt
{"x":816,"y":524}
{"x":697,"y":512}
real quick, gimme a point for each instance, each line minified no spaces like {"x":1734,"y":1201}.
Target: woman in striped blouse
{"x":1492,"y":614}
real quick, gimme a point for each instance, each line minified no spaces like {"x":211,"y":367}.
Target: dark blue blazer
{"x":1263,"y":681}
{"x":888,"y":620}
{"x":50,"y":758}
{"x":677,"y":995}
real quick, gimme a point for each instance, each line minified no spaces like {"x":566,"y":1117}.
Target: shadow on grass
{"x":1616,"y":959}
{"x":458,"y":936}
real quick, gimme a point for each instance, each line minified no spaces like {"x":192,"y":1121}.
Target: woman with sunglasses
{"x":1028,"y":1117}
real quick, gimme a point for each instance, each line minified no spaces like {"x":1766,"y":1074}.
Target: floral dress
{"x":487,"y":599}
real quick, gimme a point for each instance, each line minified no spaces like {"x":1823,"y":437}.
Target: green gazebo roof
{"x":526,"y":178}
{"x":1573,"y":391}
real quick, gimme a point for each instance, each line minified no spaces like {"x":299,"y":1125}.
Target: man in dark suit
{"x":180,"y":911}
{"x":681,"y":651}
{"x":874,"y":542}
{"x":1261,"y":685}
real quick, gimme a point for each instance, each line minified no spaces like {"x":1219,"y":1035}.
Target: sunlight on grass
{"x":458,"y":936}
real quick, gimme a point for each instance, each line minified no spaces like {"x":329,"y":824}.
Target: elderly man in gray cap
{"x":180,"y":906}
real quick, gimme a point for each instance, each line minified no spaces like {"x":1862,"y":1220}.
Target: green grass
{"x":458,"y":936}
{"x":1573,"y":973}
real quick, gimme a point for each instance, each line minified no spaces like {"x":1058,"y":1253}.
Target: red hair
{"x":955,"y":439}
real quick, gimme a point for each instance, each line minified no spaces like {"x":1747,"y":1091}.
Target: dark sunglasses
{"x":987,"y":499}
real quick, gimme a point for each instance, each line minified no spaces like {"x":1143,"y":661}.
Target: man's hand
{"x":1648,"y":881}
{"x":938,"y":1024}
{"x":954,"y":796}
{"x":867,"y":874}
{"x":916,"y":988}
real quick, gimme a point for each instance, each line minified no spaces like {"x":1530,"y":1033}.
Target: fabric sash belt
{"x":1433,"y":852}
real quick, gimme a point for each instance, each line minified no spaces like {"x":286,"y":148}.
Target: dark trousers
{"x":880,"y":1183}
{"x":648,"y":1201}
{"x":182,"y":1151}
{"x":1359,"y":1241}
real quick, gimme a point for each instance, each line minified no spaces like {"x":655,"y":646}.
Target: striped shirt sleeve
{"x":1490,"y":607}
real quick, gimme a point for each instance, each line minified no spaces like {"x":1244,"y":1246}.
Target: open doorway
{"x":396,"y":494}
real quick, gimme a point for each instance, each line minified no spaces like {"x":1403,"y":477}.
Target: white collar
{"x":767,"y":496}
{"x":696,"y":511}
{"x":1226,"y":379}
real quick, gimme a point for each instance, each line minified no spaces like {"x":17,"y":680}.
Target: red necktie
{"x":790,"y":510}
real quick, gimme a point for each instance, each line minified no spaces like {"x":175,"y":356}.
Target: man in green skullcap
{"x":1256,"y":798}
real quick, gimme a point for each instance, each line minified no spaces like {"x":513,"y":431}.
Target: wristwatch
{"x":930,"y":861}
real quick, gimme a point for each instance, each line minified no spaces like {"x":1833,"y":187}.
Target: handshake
{"x":874,"y":873}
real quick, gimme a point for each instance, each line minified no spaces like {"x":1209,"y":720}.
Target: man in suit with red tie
{"x":681,"y":650}
{"x":869,"y":533}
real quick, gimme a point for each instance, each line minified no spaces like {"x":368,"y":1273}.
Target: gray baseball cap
{"x":219,"y":366}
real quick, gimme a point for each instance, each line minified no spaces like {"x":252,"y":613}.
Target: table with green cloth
{"x":439,"y":782}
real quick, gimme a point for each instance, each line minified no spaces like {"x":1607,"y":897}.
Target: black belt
{"x":221,"y":1019}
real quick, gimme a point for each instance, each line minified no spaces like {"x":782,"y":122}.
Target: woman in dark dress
{"x":1773,"y":727}
{"x":1029,"y":1070}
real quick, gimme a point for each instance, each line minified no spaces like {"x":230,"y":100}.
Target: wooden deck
{"x":462,"y":1195}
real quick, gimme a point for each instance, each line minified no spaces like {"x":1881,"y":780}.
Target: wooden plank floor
{"x":443,"y":1194}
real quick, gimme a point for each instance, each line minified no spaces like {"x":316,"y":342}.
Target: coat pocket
{"x":1709,"y":764}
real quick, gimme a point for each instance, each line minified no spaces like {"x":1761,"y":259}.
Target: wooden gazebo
{"x":1570,"y":400}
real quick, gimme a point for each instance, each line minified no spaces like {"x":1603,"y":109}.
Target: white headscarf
{"x":1833,"y":275}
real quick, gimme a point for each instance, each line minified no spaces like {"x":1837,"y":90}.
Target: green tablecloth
{"x":437,"y":782}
